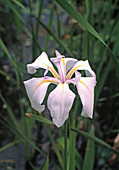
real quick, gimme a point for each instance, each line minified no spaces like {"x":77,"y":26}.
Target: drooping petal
{"x":59,"y":103}
{"x":82,"y":65}
{"x":36,"y":89}
{"x":85,"y":89}
{"x":41,"y":62}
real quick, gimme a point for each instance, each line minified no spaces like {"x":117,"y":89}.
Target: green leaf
{"x":75,"y":14}
{"x":72,"y":137}
{"x":39,"y":118}
{"x":8,"y":145}
{"x":90,"y":151}
{"x":7,"y":76}
{"x":10,"y":112}
{"x":20,"y":4}
{"x":50,"y":25}
{"x":12,"y":59}
{"x":83,"y":22}
{"x":46,"y":165}
{"x":95,"y":139}
{"x":23,"y":138}
{"x":5,"y":50}
{"x":55,"y":147}
{"x":16,"y":12}
{"x":60,"y":42}
{"x":103,"y":79}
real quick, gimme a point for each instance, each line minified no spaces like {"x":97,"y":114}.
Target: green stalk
{"x":37,"y":27}
{"x":58,"y":21}
{"x":86,"y":38}
{"x":72,"y":136}
{"x":65,"y":144}
{"x":50,"y":25}
{"x":71,"y":35}
{"x":32,"y":31}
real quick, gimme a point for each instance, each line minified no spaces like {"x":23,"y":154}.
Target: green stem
{"x":65,"y":144}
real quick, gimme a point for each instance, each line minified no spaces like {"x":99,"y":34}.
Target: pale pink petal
{"x":60,"y":65}
{"x":36,"y":90}
{"x":85,"y":89}
{"x":41,"y":62}
{"x":68,"y":62}
{"x":74,"y":80}
{"x":59,"y":103}
{"x":82,"y":65}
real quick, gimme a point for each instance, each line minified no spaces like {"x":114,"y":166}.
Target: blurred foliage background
{"x":28,"y":27}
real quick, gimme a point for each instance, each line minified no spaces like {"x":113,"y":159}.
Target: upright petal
{"x":82,"y":65}
{"x":85,"y":89}
{"x":63,"y":64}
{"x":36,"y":89}
{"x":59,"y":103}
{"x":41,"y":62}
{"x":70,"y":63}
{"x":58,"y":61}
{"x":67,"y":62}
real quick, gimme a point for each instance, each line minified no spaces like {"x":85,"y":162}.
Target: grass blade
{"x":8,"y":145}
{"x":16,"y":12}
{"x":20,"y":5}
{"x":72,"y":139}
{"x":46,"y":165}
{"x":13,"y":60}
{"x":83,"y":22}
{"x":11,"y":114}
{"x":49,"y":25}
{"x":55,"y":38}
{"x":55,"y":147}
{"x":89,"y":155}
{"x":39,"y":118}
{"x":5,"y":50}
{"x":37,"y":28}
{"x":95,"y":139}
{"x":19,"y":134}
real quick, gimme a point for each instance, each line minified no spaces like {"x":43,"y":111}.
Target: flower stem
{"x":65,"y":144}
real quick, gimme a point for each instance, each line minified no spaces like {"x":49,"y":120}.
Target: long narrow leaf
{"x":83,"y":22}
{"x":72,"y":138}
{"x":12,"y":59}
{"x":10,"y":112}
{"x":16,"y":12}
{"x":20,"y":4}
{"x":20,"y":135}
{"x":87,"y":135}
{"x":55,"y":38}
{"x":39,"y":118}
{"x":46,"y":165}
{"x":55,"y":147}
{"x":90,"y":151}
{"x":8,"y":145}
{"x":5,"y":50}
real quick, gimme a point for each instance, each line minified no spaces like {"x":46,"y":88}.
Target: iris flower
{"x":61,"y":99}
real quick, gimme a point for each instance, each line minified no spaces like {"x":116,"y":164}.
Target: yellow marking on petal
{"x":45,"y":81}
{"x":62,"y":85}
{"x":63,"y":60}
{"x":52,"y":70}
{"x":85,"y":85}
{"x":73,"y":70}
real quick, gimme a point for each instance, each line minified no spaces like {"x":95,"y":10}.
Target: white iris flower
{"x":61,"y":99}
